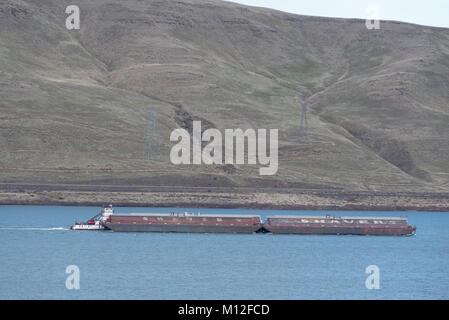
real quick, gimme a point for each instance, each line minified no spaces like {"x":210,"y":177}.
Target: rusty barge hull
{"x":339,"y":226}
{"x":339,"y":231}
{"x":184,"y":223}
{"x":180,"y":228}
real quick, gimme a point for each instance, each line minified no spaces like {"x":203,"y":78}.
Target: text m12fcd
{"x":235,"y":309}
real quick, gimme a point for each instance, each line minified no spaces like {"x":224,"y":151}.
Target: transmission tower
{"x":303,"y":126}
{"x":151,"y":134}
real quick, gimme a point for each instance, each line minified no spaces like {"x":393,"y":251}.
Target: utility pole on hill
{"x":303,"y":126}
{"x":151,"y":134}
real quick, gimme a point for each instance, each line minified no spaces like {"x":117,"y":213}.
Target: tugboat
{"x":96,"y":222}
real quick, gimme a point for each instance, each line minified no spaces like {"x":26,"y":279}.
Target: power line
{"x":303,"y":126}
{"x":151,"y":134}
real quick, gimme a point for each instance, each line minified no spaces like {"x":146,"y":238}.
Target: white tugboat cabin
{"x":96,"y":222}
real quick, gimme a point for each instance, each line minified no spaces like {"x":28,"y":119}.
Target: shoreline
{"x":228,"y":200}
{"x":243,"y":207}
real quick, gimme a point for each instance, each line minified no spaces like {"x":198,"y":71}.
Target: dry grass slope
{"x":75,"y":105}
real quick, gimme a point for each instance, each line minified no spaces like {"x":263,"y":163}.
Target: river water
{"x":37,"y":247}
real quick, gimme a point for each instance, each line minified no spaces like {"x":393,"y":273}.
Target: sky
{"x":425,"y":12}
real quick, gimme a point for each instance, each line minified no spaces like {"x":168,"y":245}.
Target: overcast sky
{"x":425,"y":12}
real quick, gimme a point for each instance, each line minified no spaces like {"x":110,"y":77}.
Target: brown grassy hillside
{"x":75,"y":104}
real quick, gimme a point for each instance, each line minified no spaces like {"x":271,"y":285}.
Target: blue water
{"x":36,"y":247}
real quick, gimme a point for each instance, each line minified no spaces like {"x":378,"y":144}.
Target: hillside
{"x":76,"y":105}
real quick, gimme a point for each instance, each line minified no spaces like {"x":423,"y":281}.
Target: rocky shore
{"x":243,"y":200}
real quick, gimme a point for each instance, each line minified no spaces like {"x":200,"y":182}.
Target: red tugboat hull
{"x":183,"y":223}
{"x":338,"y":226}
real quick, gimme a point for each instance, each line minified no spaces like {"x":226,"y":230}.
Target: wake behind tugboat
{"x":231,"y":223}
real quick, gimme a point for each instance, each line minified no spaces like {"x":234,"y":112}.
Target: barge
{"x":187,"y":223}
{"x":338,"y":226}
{"x":231,"y":223}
